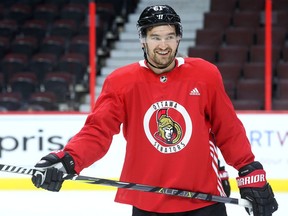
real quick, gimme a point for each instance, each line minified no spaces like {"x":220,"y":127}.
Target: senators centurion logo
{"x":168,"y":126}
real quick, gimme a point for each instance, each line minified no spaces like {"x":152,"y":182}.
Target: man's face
{"x":161,"y":44}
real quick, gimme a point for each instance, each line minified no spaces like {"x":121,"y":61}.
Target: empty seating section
{"x":42,"y":63}
{"x":217,"y":20}
{"x":4,"y":45}
{"x":41,"y":101}
{"x":2,"y":83}
{"x":59,"y":83}
{"x":24,"y":82}
{"x":55,"y":45}
{"x":44,"y":50}
{"x":245,"y":19}
{"x":10,"y":101}
{"x":232,"y":54}
{"x":75,"y":64}
{"x":209,"y":37}
{"x":35,"y":28}
{"x":26,"y":45}
{"x":205,"y":52}
{"x":239,"y":36}
{"x":20,"y":12}
{"x":233,"y":38}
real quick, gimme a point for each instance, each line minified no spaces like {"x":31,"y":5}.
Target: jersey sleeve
{"x":92,"y":142}
{"x":229,"y":131}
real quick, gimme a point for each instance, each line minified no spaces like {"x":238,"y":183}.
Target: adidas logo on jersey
{"x":194,"y":92}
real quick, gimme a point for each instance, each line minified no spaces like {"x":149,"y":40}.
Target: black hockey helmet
{"x":158,"y":15}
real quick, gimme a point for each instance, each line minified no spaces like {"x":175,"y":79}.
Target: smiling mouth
{"x":163,"y":52}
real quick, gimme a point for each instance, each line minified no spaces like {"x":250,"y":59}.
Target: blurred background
{"x":44,"y":49}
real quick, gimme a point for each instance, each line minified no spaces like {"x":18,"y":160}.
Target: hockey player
{"x":167,"y":105}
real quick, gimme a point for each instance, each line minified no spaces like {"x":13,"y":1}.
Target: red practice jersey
{"x":167,"y":120}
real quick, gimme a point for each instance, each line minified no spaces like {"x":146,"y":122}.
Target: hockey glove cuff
{"x":255,"y":188}
{"x":53,"y":166}
{"x":225,"y":180}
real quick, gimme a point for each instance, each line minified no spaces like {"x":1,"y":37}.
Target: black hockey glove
{"x":254,"y":187}
{"x":53,"y":166}
{"x":225,"y":180}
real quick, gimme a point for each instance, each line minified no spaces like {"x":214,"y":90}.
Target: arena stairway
{"x":128,"y":48}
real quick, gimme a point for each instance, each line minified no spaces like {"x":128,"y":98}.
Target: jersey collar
{"x":179,"y":62}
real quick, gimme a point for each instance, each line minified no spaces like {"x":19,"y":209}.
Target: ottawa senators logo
{"x":169,"y":131}
{"x":168,"y":126}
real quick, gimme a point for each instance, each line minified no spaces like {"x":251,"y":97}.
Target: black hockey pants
{"x":218,"y":209}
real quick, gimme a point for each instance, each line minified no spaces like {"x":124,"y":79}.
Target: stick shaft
{"x":134,"y":186}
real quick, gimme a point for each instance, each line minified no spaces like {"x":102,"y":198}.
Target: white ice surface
{"x":88,"y":203}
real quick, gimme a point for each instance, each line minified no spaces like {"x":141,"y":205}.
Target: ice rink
{"x":88,"y":203}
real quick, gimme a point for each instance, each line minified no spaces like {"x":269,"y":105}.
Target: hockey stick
{"x":133,"y":186}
